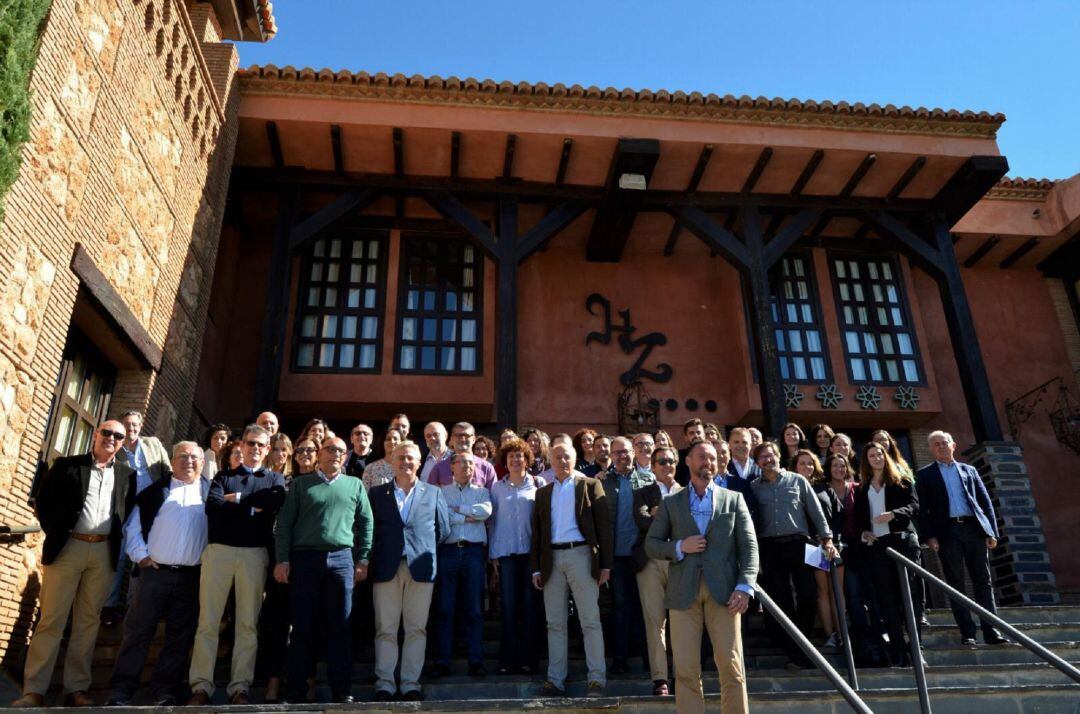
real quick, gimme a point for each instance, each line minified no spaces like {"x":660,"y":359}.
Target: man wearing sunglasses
{"x":240,"y":511}
{"x":652,"y":575}
{"x":81,"y":507}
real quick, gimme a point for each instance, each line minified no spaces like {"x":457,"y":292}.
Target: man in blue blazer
{"x":411,"y":520}
{"x":958,"y":523}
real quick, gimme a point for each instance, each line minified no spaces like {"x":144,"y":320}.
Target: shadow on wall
{"x":15,"y":656}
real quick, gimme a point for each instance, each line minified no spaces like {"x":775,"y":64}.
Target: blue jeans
{"x":320,"y":585}
{"x":461,"y":590}
{"x":518,"y":612}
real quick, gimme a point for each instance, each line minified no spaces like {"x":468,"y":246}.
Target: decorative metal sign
{"x":793,"y":396}
{"x":868,"y":397}
{"x":829,"y":396}
{"x":646,"y":343}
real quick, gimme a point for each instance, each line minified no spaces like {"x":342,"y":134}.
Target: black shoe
{"x":440,"y":670}
{"x":477,"y":670}
{"x":381,"y":695}
{"x":118,"y":700}
{"x":968,"y":642}
{"x":527,"y":670}
{"x":994,"y":638}
{"x":343,"y":699}
{"x":620,"y":666}
{"x":413,"y":695}
{"x":548,"y":689}
{"x":165,"y":700}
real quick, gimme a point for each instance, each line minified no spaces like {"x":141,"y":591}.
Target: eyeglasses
{"x":666,"y":462}
{"x":187,"y":457}
{"x":115,"y":435}
{"x":334,"y":449}
{"x":306,"y":450}
{"x":257,"y":444}
{"x":620,"y":451}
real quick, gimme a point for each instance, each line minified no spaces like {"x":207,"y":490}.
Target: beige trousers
{"x":652,"y":584}
{"x":81,"y":576}
{"x":401,"y":602}
{"x":225,"y":567}
{"x":724,"y":632}
{"x":571,"y":571}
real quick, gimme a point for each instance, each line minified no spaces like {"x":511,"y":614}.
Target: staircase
{"x":962,"y":680}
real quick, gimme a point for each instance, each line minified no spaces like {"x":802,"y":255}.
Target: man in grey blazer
{"x":411,"y":520}
{"x":707,"y":532}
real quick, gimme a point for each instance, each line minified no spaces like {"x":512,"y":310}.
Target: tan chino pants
{"x":724,"y":632}
{"x":405,"y":602}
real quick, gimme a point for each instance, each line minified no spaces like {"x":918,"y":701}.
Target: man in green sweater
{"x":323,"y":543}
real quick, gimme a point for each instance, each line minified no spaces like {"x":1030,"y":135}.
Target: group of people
{"x":301,"y":545}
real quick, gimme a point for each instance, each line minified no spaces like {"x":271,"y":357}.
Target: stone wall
{"x":132,"y":139}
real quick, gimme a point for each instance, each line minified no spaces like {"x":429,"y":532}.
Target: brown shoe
{"x":30,"y":700}
{"x":239,"y":698}
{"x":78,"y":699}
{"x":199,"y":699}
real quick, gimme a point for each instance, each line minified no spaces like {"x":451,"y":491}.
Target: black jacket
{"x":901,"y":499}
{"x":60,"y":497}
{"x":238,"y":524}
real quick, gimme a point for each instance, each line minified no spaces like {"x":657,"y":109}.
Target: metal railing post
{"x":1069,"y":670}
{"x":913,"y":638}
{"x":842,"y":623}
{"x":793,"y":632}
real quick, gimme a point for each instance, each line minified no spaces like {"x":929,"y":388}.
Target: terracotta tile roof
{"x":560,"y":97}
{"x":1022,"y":189}
{"x":264,"y":9}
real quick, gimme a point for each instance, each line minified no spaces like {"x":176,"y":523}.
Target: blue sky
{"x":1020,"y":58}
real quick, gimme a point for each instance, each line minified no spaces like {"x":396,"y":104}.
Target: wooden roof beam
{"x":455,"y":153}
{"x":1019,"y":253}
{"x":564,"y":161}
{"x":759,"y":168}
{"x":912,"y":171}
{"x":970,"y":183}
{"x":981,"y":251}
{"x":860,"y":173}
{"x":691,"y":187}
{"x":807,"y":172}
{"x":335,"y":143}
{"x":275,"y":144}
{"x":619,"y":206}
{"x":508,"y":157}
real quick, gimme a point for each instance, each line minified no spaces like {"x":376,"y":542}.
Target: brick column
{"x":1020,"y":564}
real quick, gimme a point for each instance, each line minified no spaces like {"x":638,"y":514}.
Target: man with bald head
{"x":268,"y":421}
{"x":80,"y":504}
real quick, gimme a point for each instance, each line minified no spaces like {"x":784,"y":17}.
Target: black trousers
{"x":784,"y":572}
{"x":964,"y":546}
{"x":174,"y":596}
{"x":886,"y":589}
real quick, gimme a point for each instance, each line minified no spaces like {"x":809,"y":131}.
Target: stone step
{"x":1038,"y":631}
{"x":1018,"y":614}
{"x":1041,"y":698}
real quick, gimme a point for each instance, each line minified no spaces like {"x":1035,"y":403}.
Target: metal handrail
{"x":16,"y":534}
{"x":842,"y":623}
{"x":904,"y":564}
{"x":810,"y":651}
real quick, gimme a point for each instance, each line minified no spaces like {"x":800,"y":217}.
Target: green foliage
{"x":21,"y":22}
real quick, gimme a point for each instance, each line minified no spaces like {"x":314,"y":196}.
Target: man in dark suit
{"x":705,"y":532}
{"x":693,"y":431}
{"x":411,"y":520}
{"x":572,"y":549}
{"x":958,"y":523}
{"x":741,"y":464}
{"x":81,"y":506}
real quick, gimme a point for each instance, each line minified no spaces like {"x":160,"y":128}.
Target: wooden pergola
{"x":750,"y":189}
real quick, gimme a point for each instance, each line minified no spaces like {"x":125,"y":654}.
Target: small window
{"x":800,"y":339}
{"x":340,"y":305}
{"x":879,"y":342}
{"x":440,"y":316}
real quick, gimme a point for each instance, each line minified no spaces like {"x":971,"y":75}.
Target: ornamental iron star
{"x":829,"y":396}
{"x":907,"y":397}
{"x":792,"y":396}
{"x":868,"y":397}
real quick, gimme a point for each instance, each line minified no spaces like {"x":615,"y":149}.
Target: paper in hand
{"x":815,"y":557}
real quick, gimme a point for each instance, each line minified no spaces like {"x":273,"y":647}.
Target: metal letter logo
{"x":627,"y":343}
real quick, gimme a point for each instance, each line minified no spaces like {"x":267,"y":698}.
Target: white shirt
{"x":564,"y":525}
{"x":431,"y":462}
{"x":664,"y":490}
{"x":178,"y":535}
{"x":96,"y":515}
{"x":741,"y":468}
{"x":877,"y":507}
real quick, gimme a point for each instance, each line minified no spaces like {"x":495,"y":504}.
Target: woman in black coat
{"x":886,"y":506}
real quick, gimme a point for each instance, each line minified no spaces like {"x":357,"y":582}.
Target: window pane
{"x":305,"y":356}
{"x":449,"y":330}
{"x":817,"y":368}
{"x":813,"y":341}
{"x":784,"y":368}
{"x":877,"y":293}
{"x":427,"y":358}
{"x":372,"y":273}
{"x":857,"y":371}
{"x":467,"y":302}
{"x":856,"y":289}
{"x":429,"y":299}
{"x":891,"y":292}
{"x":468,"y":330}
{"x":408,"y":329}
{"x":356,"y":274}
{"x":309,"y":325}
{"x":904,"y":340}
{"x":853,"y":342}
{"x":83,"y":433}
{"x":64,"y":430}
{"x":845,"y":294}
{"x":316,"y":272}
{"x":348,"y":328}
{"x":451,"y":301}
{"x":863,"y":316}
{"x":780,"y":342}
{"x":318,"y":252}
{"x":887,"y":344}
{"x":329,"y":328}
{"x":447,"y":361}
{"x":807,"y":315}
{"x":358,"y":249}
{"x":871,"y":270}
{"x":849,"y":316}
{"x":412,"y":300}
{"x":799,"y":365}
{"x":800,"y":269}
{"x":869,"y":344}
{"x":331,"y":297}
{"x":313,"y":297}
{"x":373,"y":249}
{"x":875,"y":369}
{"x":369,"y":328}
{"x":353,"y":299}
{"x":882,"y":317}
{"x":408,"y":358}
{"x":897,"y":318}
{"x":429,"y":332}
{"x":886,"y":271}
{"x":345,"y":357}
{"x":468,"y":359}
{"x":369,"y":298}
{"x":335,"y":249}
{"x":795,"y":340}
{"x":367,"y":357}
{"x":854,"y":270}
{"x":911,"y":371}
{"x":892,"y":371}
{"x":332,"y":272}
{"x":840,"y":272}
{"x":792,"y":312}
{"x":326,"y":356}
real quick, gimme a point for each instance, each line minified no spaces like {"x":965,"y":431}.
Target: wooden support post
{"x":969,"y":360}
{"x":763,"y":338}
{"x":277,"y":304}
{"x":506,"y":344}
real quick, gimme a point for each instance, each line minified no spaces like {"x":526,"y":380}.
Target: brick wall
{"x":133,"y":129}
{"x":1067,"y":320}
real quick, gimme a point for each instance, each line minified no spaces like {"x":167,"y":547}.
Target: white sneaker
{"x":833,"y":641}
